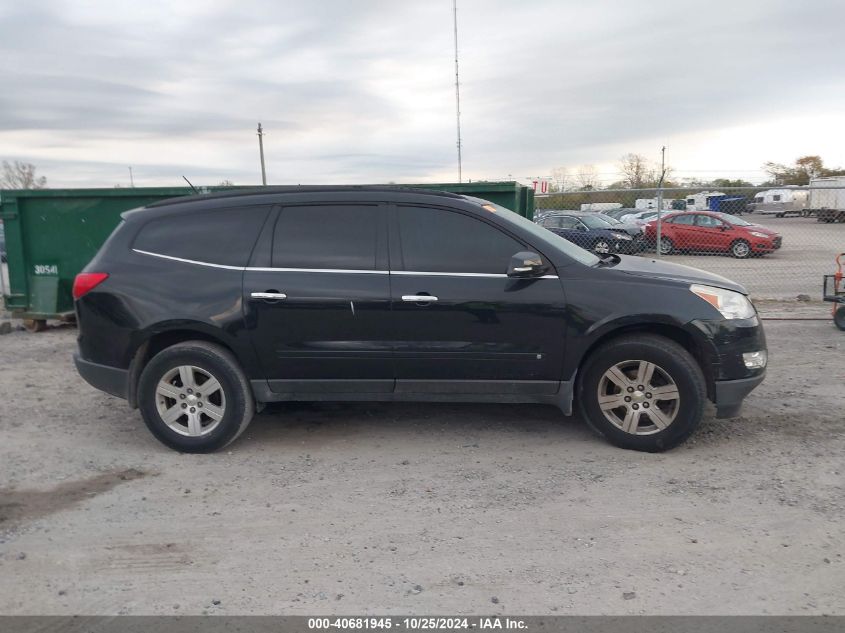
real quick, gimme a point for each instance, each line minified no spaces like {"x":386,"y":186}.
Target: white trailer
{"x":825,"y":202}
{"x":781,"y":202}
{"x":701,"y":201}
{"x":601,"y":206}
{"x":651,"y":203}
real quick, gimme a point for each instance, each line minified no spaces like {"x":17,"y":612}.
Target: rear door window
{"x":437,"y":240}
{"x":684,"y":219}
{"x":335,"y":237}
{"x":708,"y":221}
{"x":221,"y":236}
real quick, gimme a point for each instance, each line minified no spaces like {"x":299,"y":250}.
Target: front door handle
{"x":418,"y":298}
{"x":271,"y":295}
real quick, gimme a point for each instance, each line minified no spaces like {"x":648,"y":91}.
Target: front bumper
{"x":729,"y":394}
{"x":109,"y":379}
{"x":626,"y":247}
{"x":722,"y":343}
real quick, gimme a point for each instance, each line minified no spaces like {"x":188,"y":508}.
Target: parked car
{"x":631,"y":229}
{"x":590,"y":232}
{"x":713,"y":232}
{"x":640,"y":218}
{"x":617,"y":214}
{"x":200,"y":310}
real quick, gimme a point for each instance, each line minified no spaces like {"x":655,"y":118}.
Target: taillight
{"x":86,"y":282}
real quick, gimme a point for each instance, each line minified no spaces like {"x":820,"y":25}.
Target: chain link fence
{"x":777,"y":242}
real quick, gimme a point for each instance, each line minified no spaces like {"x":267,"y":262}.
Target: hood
{"x":657,"y":269}
{"x":759,"y":229}
{"x":629,"y":228}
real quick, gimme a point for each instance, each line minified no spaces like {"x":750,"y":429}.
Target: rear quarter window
{"x":222,"y":236}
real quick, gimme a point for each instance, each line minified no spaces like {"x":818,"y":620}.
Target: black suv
{"x":200,"y":310}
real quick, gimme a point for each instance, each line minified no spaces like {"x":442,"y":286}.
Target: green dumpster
{"x":511,"y":195}
{"x":51,"y":234}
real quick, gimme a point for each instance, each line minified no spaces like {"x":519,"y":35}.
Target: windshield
{"x":732,"y":219}
{"x":543,"y":236}
{"x":594,"y":222}
{"x":608,"y":219}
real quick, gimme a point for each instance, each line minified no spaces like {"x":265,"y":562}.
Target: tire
{"x":839,"y":318}
{"x":202,"y":431}
{"x":602,"y":247}
{"x":741,"y":249}
{"x":675,"y":372}
{"x":666,"y":246}
{"x":35,"y":325}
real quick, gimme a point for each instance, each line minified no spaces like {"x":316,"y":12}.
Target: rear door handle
{"x":272,"y":296}
{"x":418,"y":298}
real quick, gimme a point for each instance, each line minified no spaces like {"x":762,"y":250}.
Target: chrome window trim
{"x":317,"y":270}
{"x":188,"y":261}
{"x":439,"y":274}
{"x":333,"y":270}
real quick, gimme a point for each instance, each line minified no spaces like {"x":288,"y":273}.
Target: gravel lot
{"x":422,"y":508}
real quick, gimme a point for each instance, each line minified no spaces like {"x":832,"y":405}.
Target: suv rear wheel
{"x":642,"y":392}
{"x":194,"y":397}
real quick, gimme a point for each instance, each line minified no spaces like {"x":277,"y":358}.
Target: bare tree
{"x":20,"y":175}
{"x":560,"y":176}
{"x":636,"y":171}
{"x":588,"y":177}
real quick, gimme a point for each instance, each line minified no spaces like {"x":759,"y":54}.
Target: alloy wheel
{"x":741,"y":249}
{"x":190,"y":400}
{"x":638,"y":397}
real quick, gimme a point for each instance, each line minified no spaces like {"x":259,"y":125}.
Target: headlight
{"x":732,"y":305}
{"x":621,"y":236}
{"x":758,"y":234}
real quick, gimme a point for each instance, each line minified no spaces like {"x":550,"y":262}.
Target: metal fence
{"x":777,"y":241}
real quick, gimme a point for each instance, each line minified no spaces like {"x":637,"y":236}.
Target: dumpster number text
{"x":46,"y":269}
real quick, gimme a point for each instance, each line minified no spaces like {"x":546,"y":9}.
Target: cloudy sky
{"x":362,"y":90}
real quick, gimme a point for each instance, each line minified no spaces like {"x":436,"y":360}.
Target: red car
{"x":710,"y":231}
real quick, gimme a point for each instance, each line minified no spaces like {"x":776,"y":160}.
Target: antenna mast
{"x":261,"y":151}
{"x":457,"y":88}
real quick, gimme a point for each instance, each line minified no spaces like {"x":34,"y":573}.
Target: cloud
{"x":363,"y":91}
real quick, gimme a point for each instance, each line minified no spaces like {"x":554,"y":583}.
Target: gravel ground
{"x":422,"y":508}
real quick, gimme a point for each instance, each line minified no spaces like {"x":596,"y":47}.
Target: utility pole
{"x":131,"y":179}
{"x":457,"y":88}
{"x":660,"y":197}
{"x":261,"y":151}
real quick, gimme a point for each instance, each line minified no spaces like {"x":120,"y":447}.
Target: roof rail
{"x":280,"y":189}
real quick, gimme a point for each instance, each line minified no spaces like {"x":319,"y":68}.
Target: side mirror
{"x":526,"y":264}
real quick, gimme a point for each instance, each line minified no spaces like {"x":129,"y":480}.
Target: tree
{"x":559,"y":177}
{"x":727,"y":183}
{"x":801,"y":172}
{"x":20,"y":175}
{"x":226,"y":183}
{"x":636,"y":172}
{"x":588,"y":177}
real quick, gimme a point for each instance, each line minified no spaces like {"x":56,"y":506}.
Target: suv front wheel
{"x":194,"y":397}
{"x":642,"y":392}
